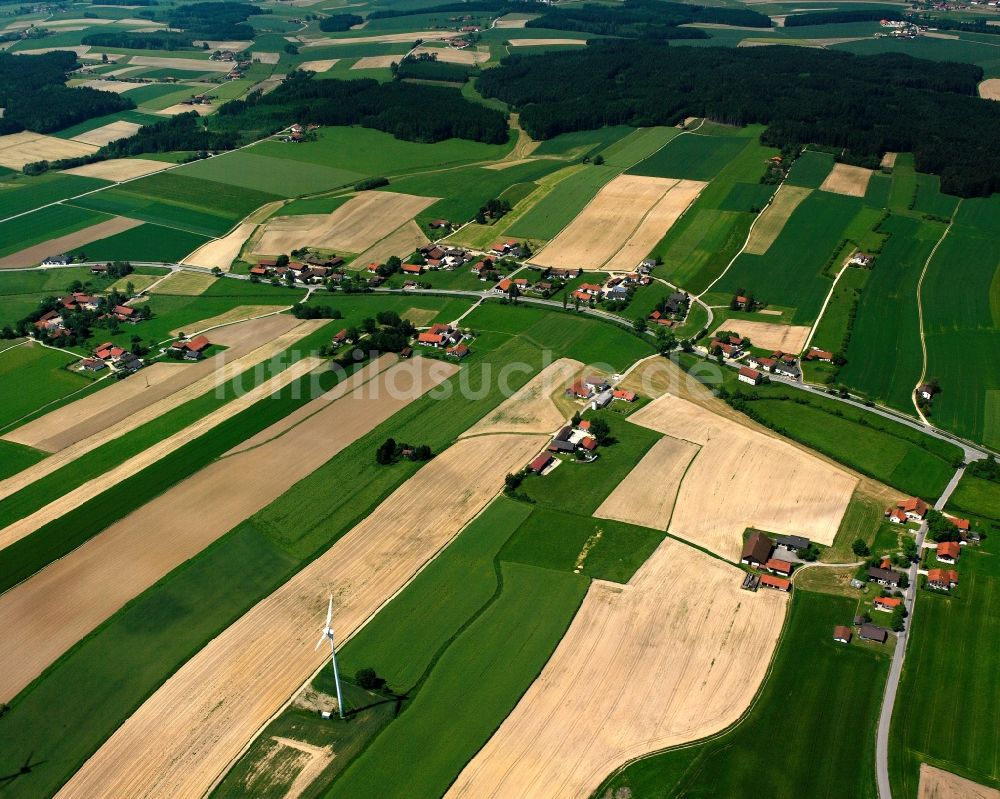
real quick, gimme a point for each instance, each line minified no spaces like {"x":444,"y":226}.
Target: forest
{"x":835,"y":17}
{"x":879,"y":103}
{"x":647,"y":18}
{"x":423,"y":67}
{"x":34,"y":97}
{"x":498,"y":7}
{"x":161,"y":40}
{"x":339,"y":22}
{"x":215,"y":20}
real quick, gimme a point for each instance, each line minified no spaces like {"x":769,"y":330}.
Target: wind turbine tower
{"x":328,"y":634}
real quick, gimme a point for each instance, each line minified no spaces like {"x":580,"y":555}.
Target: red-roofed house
{"x":948,"y":551}
{"x":413,"y":269}
{"x":539,"y":464}
{"x":816,"y":354}
{"x":942,"y":579}
{"x":503,"y":286}
{"x":124,"y":313}
{"x":748,"y":375}
{"x":887,"y":604}
{"x":914,"y":508}
{"x":430,"y":339}
{"x":589,"y":443}
{"x":778,"y":566}
{"x":777,"y":583}
{"x":459,"y":351}
{"x":590,"y":289}
{"x":625,"y":396}
{"x":896,"y":516}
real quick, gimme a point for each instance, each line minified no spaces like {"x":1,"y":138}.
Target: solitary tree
{"x":600,"y":430}
{"x":859,"y":547}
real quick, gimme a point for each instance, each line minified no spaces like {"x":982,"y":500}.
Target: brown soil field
{"x":505,"y":22}
{"x":675,"y":655}
{"x":646,"y":496}
{"x":427,"y":36}
{"x":78,"y":496}
{"x":651,"y":378}
{"x":401,"y":243}
{"x":990,"y":89}
{"x":36,"y":253}
{"x":362,"y":221}
{"x":533,"y":42}
{"x":770,"y":335}
{"x":621,"y":224}
{"x":86,"y":424}
{"x":530,"y":409}
{"x":48,"y":613}
{"x":238,"y":45}
{"x":889,"y":159}
{"x":18,"y":149}
{"x":180,"y":108}
{"x":185,"y":64}
{"x":449,"y":55}
{"x":741,"y":478}
{"x":221,"y":252}
{"x":113,"y":86}
{"x":118,"y":169}
{"x":185,"y":283}
{"x":189,"y":732}
{"x":319,"y":66}
{"x":108,"y":133}
{"x":376,"y":61}
{"x":772,"y":220}
{"x":936,"y":783}
{"x":847,"y":179}
{"x":80,"y":49}
{"x":240,"y":314}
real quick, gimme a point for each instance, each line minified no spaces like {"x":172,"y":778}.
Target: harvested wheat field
{"x":741,"y":478}
{"x":362,"y":221}
{"x":52,"y":610}
{"x":221,"y":252}
{"x":187,"y":64}
{"x":180,"y":108}
{"x":18,"y":149}
{"x":238,"y":315}
{"x":401,"y":242}
{"x":530,"y":409}
{"x":108,"y":133}
{"x":449,"y":55}
{"x":184,"y":283}
{"x":990,"y":89}
{"x":646,"y":496}
{"x":514,"y":21}
{"x":769,"y":335}
{"x":322,"y":65}
{"x":119,"y":169}
{"x":534,"y":42}
{"x":427,"y":36}
{"x":80,"y":49}
{"x":675,"y":655}
{"x":73,"y":499}
{"x":38,"y":252}
{"x":187,"y":733}
{"x":847,"y":179}
{"x":113,"y":86}
{"x":936,"y":783}
{"x":621,"y":224}
{"x":772,"y":220}
{"x":376,"y":61}
{"x":889,"y":159}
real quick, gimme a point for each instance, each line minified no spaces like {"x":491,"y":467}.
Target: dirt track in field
{"x":354,"y":227}
{"x":189,"y":732}
{"x":938,"y":784}
{"x":741,"y":478}
{"x":48,"y":613}
{"x":619,"y":227}
{"x":847,"y":179}
{"x":73,"y":499}
{"x":772,"y":220}
{"x":769,"y":335}
{"x":86,"y":424}
{"x":646,"y":496}
{"x":675,"y":655}
{"x":530,"y":409}
{"x":79,"y":238}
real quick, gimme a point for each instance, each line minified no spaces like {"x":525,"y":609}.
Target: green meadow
{"x":810,"y":169}
{"x":693,"y":156}
{"x":45,"y":224}
{"x":145,"y":242}
{"x":563,"y":203}
{"x":31,"y":376}
{"x":20,"y":193}
{"x":270,"y":173}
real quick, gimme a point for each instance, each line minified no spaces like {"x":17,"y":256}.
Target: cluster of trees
{"x":940,"y":527}
{"x":426,"y":66}
{"x":657,"y":19}
{"x":159,"y":40}
{"x":835,"y":17}
{"x":371,"y":183}
{"x":300,"y":311}
{"x":988,"y":469}
{"x":980,"y":25}
{"x":339,"y":22}
{"x":34,"y":96}
{"x":390,"y":451}
{"x":215,"y":20}
{"x":879,"y":103}
{"x":492,"y":211}
{"x":497,"y":7}
{"x":182,"y":132}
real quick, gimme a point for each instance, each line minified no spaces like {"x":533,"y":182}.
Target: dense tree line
{"x":340,"y":22}
{"x":649,"y":18}
{"x":836,"y":17}
{"x":182,"y":132}
{"x":498,"y":7}
{"x":215,"y":20}
{"x":161,"y":40}
{"x":968,"y":26}
{"x":877,"y":103}
{"x":421,"y":68}
{"x":34,"y":97}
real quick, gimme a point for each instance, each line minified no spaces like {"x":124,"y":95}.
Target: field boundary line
{"x":920,"y":317}
{"x":826,"y":302}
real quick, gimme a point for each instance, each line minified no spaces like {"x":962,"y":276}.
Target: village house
{"x":776,"y":583}
{"x":438,"y":224}
{"x":816,"y":354}
{"x":625,"y":396}
{"x":57,"y":260}
{"x":50,"y":320}
{"x":458,"y":352}
{"x":660,"y":319}
{"x":340,"y":338}
{"x":79,"y":301}
{"x":779,"y":566}
{"x":757,"y":550}
{"x":887,"y":604}
{"x":510,"y":247}
{"x":730,"y":349}
{"x":948,"y":551}
{"x":748,"y":375}
{"x":913,"y":509}
{"x":842,"y":634}
{"x":861,"y":259}
{"x":412,"y":269}
{"x":92,"y":364}
{"x":503,"y":287}
{"x":108,"y":352}
{"x":590,"y":290}
{"x":872,"y":632}
{"x":192,"y":349}
{"x":123,"y":313}
{"x":886,"y":577}
{"x":942,"y":579}
{"x":580,"y":390}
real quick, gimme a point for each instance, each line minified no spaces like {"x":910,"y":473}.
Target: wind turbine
{"x":328,"y":634}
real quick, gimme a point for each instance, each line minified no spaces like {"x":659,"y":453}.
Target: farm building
{"x":602,"y":400}
{"x":748,"y":375}
{"x":541,"y":463}
{"x":191,"y":350}
{"x":779,"y":566}
{"x":792,"y":542}
{"x":886,"y":577}
{"x":625,"y":396}
{"x":775,"y":583}
{"x":914,"y":509}
{"x":842,"y":634}
{"x":948,"y":551}
{"x":887,"y":603}
{"x":757,"y":550}
{"x":872,"y":632}
{"x":942,"y":579}
{"x":458,"y":352}
{"x":816,"y":354}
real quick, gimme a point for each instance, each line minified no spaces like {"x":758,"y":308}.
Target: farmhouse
{"x":914,"y":509}
{"x":57,"y":260}
{"x":78,"y":300}
{"x":413,"y":269}
{"x":123,"y":313}
{"x":541,"y":463}
{"x":948,"y":551}
{"x":942,"y":579}
{"x":792,"y":542}
{"x":860,"y":259}
{"x":625,"y":396}
{"x":431,"y":339}
{"x":602,"y":399}
{"x":842,"y":634}
{"x":748,"y":375}
{"x":590,"y":290}
{"x":816,"y":354}
{"x":458,"y":352}
{"x":926,"y":391}
{"x":503,"y":287}
{"x":757,"y":549}
{"x":886,"y":577}
{"x":887,"y":603}
{"x":509,"y":247}
{"x":730,"y":349}
{"x":92,"y":364}
{"x":872,"y":632}
{"x":776,"y":583}
{"x":779,"y":566}
{"x":190,"y":350}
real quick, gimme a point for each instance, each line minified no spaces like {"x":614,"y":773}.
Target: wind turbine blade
{"x":319,"y":643}
{"x":329,"y":611}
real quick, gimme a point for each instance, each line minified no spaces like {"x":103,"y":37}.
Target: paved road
{"x":896,"y":669}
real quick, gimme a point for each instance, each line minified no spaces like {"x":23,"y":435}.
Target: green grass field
{"x":43,"y":225}
{"x":692,"y":156}
{"x":584,"y":142}
{"x":146,"y":242}
{"x":637,"y":146}
{"x":976,"y":496}
{"x":884,"y":356}
{"x":834,"y":322}
{"x":273,"y":174}
{"x":21,"y":291}
{"x":961,"y":297}
{"x":20,"y":193}
{"x":810,"y":169}
{"x":15,"y":457}
{"x":561,"y":205}
{"x":811,"y":731}
{"x":31,"y":376}
{"x":951,"y":680}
